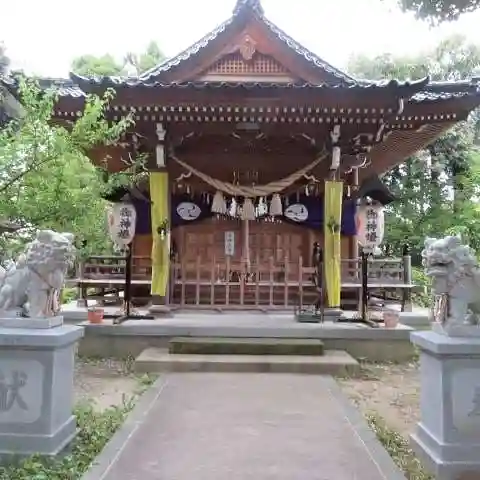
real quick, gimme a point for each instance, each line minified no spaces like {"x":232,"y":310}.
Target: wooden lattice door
{"x":277,"y":245}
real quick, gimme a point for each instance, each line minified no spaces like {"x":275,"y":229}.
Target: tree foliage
{"x":438,"y":188}
{"x":146,"y":60}
{"x":92,"y":65}
{"x":437,"y":11}
{"x":4,"y":60}
{"x":46,"y":179}
{"x":108,"y":65}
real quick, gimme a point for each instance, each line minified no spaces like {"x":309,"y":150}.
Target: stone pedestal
{"x":159,"y":308}
{"x":36,"y":387}
{"x":332,"y":314}
{"x":447,"y":438}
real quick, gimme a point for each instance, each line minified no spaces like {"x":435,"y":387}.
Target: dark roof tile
{"x":307,"y":54}
{"x":134,"y":82}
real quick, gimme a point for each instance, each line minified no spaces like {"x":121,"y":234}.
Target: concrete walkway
{"x":244,"y":426}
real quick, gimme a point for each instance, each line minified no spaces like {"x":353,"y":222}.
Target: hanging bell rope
{"x":254,"y":191}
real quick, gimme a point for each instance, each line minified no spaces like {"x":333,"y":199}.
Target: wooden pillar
{"x":407,"y":280}
{"x":81,"y":288}
{"x":246,"y":243}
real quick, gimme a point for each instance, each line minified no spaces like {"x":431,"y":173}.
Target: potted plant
{"x":390,"y":318}
{"x":95,"y":314}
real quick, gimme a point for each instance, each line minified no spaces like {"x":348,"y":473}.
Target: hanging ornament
{"x":276,"y":208}
{"x":248,"y":211}
{"x":262,"y":208}
{"x":233,"y":208}
{"x":218,"y":204}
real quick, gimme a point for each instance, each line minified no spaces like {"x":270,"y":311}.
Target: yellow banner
{"x":161,"y":246}
{"x":332,"y":249}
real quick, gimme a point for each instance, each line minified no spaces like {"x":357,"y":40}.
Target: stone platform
{"x":134,"y":336}
{"x":333,"y":362}
{"x":244,"y":426}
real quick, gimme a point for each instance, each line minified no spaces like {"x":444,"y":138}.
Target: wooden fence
{"x":226,"y":283}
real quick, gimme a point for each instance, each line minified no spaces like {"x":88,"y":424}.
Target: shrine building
{"x":256,"y":149}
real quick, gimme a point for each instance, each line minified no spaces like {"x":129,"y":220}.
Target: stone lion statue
{"x":32,"y":285}
{"x":455,"y":275}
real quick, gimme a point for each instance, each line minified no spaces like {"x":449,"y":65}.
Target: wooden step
{"x":245,"y":346}
{"x":334,"y":362}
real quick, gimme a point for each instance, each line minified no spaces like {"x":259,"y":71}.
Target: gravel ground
{"x":106,"y":383}
{"x":392,"y":391}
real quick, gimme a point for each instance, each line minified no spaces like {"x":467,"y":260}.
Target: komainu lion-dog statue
{"x":455,"y":274}
{"x":31,"y":286}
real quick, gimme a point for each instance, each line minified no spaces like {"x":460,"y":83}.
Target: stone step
{"x":334,"y":362}
{"x":245,"y":346}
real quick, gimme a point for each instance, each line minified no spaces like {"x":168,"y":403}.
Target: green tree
{"x":92,"y":65}
{"x":149,"y":59}
{"x":47,"y":180}
{"x":437,"y":187}
{"x":4,"y":60}
{"x":437,"y":11}
{"x":107,"y":65}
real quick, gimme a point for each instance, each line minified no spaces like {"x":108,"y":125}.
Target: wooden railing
{"x":237,"y":284}
{"x":113,"y":267}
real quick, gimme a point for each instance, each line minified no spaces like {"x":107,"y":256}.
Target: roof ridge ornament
{"x":254,"y":6}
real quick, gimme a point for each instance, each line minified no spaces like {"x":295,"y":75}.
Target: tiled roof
{"x":63,"y":87}
{"x":255,"y":7}
{"x":307,"y":54}
{"x":186,"y":54}
{"x":134,"y":82}
{"x":420,"y":90}
{"x":435,"y":91}
{"x":7,"y":82}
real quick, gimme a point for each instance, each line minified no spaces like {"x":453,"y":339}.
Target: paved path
{"x":214,"y":426}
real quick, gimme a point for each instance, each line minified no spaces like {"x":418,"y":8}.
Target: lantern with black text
{"x":122,"y":218}
{"x":370,"y":222}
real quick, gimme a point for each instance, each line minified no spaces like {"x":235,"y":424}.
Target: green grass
{"x":398,"y":448}
{"x":95,"y":430}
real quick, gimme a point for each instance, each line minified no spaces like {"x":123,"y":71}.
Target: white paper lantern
{"x":370,"y":223}
{"x":122,"y":218}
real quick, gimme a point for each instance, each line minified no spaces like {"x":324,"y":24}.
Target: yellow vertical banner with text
{"x":332,"y":238}
{"x":161,"y":242}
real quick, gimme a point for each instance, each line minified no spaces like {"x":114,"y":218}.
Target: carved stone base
{"x":36,"y":390}
{"x":448,"y":435}
{"x":332,"y":314}
{"x":457,"y":331}
{"x":160,"y":311}
{"x":26,"y":322}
